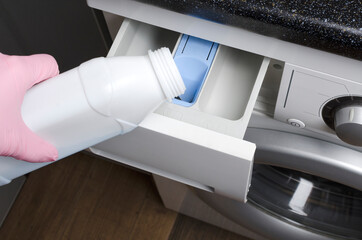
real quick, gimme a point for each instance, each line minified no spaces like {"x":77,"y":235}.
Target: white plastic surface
{"x":187,"y":153}
{"x":188,"y":144}
{"x":148,"y":80}
{"x":229,"y":94}
{"x":303,"y":93}
{"x":87,"y":105}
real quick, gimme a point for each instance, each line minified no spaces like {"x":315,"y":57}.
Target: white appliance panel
{"x":304,"y":92}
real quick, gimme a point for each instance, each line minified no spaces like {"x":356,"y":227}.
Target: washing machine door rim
{"x":314,"y":183}
{"x":302,"y":154}
{"x":307,"y":201}
{"x":305,"y":154}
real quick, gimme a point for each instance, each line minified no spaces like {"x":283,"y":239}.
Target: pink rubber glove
{"x":17,"y":75}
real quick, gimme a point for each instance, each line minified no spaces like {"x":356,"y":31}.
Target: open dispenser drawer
{"x":200,"y":144}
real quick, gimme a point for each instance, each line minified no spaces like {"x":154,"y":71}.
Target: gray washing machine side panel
{"x":244,"y":219}
{"x":297,"y":152}
{"x":280,"y":145}
{"x":257,"y":220}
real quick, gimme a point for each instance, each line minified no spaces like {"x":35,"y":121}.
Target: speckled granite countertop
{"x":329,"y":25}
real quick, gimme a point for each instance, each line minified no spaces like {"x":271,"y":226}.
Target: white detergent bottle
{"x":100,"y":99}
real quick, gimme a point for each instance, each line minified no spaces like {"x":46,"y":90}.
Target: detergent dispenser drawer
{"x":196,"y":139}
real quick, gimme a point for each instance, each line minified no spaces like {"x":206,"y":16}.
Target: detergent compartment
{"x":193,"y":57}
{"x":222,"y":85}
{"x":196,"y":139}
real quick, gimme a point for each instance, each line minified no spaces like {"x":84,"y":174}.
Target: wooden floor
{"x":84,"y":197}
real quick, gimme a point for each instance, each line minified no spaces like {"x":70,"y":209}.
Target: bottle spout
{"x":167,"y":73}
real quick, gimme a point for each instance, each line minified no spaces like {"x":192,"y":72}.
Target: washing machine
{"x":305,"y":184}
{"x":305,"y":180}
{"x":299,"y":107}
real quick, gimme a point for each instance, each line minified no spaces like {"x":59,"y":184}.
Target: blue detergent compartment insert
{"x":193,"y":58}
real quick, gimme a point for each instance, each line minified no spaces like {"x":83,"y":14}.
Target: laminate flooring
{"x":85,"y":197}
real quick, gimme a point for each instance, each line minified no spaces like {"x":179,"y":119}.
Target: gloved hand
{"x":17,"y":75}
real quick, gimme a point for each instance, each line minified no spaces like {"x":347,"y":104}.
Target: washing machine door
{"x":302,"y":188}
